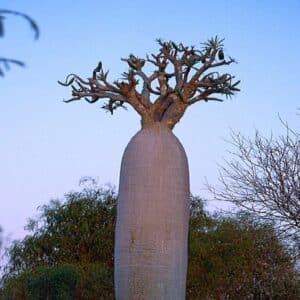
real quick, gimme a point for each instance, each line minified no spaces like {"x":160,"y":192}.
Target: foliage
{"x":262,"y":177}
{"x":238,"y":258}
{"x":63,"y":281}
{"x":96,"y":282}
{"x":56,"y":283}
{"x":79,"y":230}
{"x":229,"y":257}
{"x":182,"y":76}
{"x":7,"y":62}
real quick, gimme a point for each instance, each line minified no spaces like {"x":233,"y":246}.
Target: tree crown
{"x":182,"y":76}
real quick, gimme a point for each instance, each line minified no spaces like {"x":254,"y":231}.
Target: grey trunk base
{"x":152,"y":218}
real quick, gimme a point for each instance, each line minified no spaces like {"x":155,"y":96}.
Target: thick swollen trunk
{"x":152,"y":218}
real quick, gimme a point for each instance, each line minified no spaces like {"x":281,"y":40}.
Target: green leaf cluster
{"x":61,"y":282}
{"x":238,"y":258}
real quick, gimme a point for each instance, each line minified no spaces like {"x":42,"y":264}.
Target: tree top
{"x":182,"y":76}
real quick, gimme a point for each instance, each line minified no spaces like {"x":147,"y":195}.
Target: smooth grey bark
{"x":152,"y":218}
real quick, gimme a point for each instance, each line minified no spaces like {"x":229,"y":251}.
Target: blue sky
{"x":46,"y":146}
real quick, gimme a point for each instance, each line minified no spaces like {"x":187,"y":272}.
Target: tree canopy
{"x":238,"y":258}
{"x":181,"y":76}
{"x":79,"y":229}
{"x":69,"y":249}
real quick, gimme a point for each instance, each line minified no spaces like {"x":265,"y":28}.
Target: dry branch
{"x":263,"y":177}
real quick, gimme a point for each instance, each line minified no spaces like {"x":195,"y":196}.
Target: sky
{"x":46,"y":146}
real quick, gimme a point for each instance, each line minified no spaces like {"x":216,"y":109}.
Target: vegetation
{"x":238,"y":258}
{"x":68,"y":254}
{"x":182,"y":76}
{"x":81,"y":229}
{"x":72,"y":240}
{"x":262,"y":177}
{"x":5,"y":63}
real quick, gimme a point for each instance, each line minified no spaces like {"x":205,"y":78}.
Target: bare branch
{"x":31,"y":22}
{"x":6,"y":62}
{"x":263,"y":177}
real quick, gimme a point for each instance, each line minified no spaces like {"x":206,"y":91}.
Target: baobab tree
{"x":153,"y":206}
